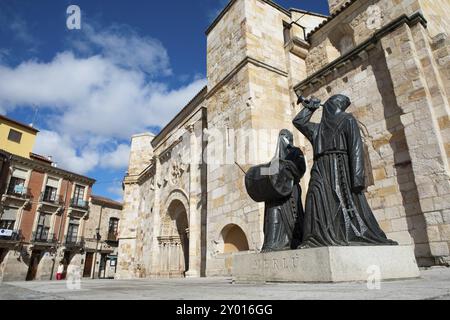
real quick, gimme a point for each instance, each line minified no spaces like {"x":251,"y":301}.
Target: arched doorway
{"x":174,"y":241}
{"x":234,"y":239}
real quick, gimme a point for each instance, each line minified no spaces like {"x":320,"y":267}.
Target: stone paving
{"x":433,"y":284}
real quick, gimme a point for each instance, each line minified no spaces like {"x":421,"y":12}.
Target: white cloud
{"x":64,"y":152}
{"x":117,"y":191}
{"x":116,"y":159}
{"x":93,"y":95}
{"x":124,"y":47}
{"x":94,"y":103}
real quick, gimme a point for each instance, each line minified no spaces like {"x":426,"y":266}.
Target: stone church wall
{"x":399,"y":97}
{"x":390,"y":57}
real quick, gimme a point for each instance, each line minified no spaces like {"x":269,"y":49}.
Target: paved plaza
{"x":433,"y":284}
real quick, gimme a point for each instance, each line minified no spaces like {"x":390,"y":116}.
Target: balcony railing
{"x":79,"y":204}
{"x":53,"y":199}
{"x":74,"y":241}
{"x":10,"y":235}
{"x":47,"y":238}
{"x":19,"y":192}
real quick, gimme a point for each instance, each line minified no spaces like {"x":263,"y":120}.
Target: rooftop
{"x":106,"y":201}
{"x":20,"y":124}
{"x":38,"y":157}
{"x":332,"y":16}
{"x":270,"y":2}
{"x":47,"y":167}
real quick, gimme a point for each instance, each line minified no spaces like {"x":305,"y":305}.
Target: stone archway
{"x":234,"y":239}
{"x":173,"y":241}
{"x":225,"y":227}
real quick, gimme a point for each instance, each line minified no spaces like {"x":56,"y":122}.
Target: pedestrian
{"x":60,"y":271}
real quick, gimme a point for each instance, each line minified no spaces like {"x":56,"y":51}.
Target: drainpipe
{"x":69,"y":181}
{"x":96,"y":246}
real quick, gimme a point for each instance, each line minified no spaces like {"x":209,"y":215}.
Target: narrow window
{"x":43,"y":228}
{"x":17,"y":183}
{"x":51,"y":189}
{"x":286,"y":32}
{"x":113,"y":225}
{"x":78,"y":196}
{"x":113,"y":229}
{"x":72,"y":231}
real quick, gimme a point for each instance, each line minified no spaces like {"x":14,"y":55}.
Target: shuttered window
{"x":51,"y":182}
{"x":8,"y":218}
{"x":19,"y":173}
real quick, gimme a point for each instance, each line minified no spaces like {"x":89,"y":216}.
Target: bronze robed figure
{"x":336,"y":210}
{"x":277,"y":185}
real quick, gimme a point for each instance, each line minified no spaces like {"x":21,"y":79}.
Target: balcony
{"x":42,"y":238}
{"x":10,"y":236}
{"x":79,"y":204}
{"x":50,"y":203}
{"x":17,"y":196}
{"x":74,"y":242}
{"x":48,"y":198}
{"x":19,"y":191}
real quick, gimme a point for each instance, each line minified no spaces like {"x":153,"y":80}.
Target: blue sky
{"x":130,"y":68}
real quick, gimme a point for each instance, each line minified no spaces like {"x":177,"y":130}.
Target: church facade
{"x":186,"y":211}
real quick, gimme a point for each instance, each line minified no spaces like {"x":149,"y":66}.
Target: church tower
{"x":256,"y":51}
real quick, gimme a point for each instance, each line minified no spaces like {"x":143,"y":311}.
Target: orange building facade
{"x":43,"y":212}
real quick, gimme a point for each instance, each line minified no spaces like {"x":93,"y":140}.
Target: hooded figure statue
{"x":336,"y":210}
{"x":283,"y":217}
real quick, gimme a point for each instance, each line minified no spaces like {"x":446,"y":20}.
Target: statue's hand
{"x":312,"y":104}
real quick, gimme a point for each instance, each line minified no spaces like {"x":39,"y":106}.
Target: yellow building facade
{"x":16,"y":138}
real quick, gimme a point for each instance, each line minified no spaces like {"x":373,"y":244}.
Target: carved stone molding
{"x":169,"y":240}
{"x":176,"y":172}
{"x":190,"y":127}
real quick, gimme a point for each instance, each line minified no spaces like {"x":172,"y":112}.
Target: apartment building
{"x":16,"y":137}
{"x":102,"y":240}
{"x":43,"y":210}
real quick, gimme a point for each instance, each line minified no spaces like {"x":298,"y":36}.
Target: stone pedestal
{"x":327,"y":264}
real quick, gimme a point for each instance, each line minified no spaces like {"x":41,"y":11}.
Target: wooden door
{"x":88,"y":264}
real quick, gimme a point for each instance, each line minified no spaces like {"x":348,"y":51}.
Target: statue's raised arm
{"x":303,"y":120}
{"x":336,"y":212}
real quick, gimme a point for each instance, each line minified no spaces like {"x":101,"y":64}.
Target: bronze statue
{"x":277,"y":184}
{"x":336,"y":211}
